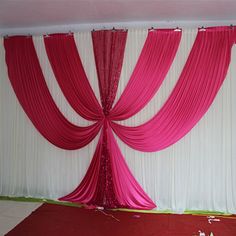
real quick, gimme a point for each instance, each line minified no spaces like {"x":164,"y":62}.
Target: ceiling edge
{"x":38,"y":30}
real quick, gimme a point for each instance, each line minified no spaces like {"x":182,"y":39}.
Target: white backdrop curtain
{"x":197,"y":173}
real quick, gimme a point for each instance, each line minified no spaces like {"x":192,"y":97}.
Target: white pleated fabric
{"x":196,"y":173}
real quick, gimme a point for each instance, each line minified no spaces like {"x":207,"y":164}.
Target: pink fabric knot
{"x":105,"y":112}
{"x":106,"y":117}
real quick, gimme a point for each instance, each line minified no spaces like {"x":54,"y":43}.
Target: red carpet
{"x":67,"y":221}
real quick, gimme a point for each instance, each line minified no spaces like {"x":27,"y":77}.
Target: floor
{"x":60,"y":220}
{"x":12,"y":213}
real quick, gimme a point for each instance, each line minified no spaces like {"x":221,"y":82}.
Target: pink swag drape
{"x":31,"y":90}
{"x":199,"y":82}
{"x":106,"y":189}
{"x":108,"y":181}
{"x":69,"y":72}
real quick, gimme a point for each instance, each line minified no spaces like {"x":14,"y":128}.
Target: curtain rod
{"x":177,"y":28}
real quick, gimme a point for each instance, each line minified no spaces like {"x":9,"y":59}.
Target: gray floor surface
{"x":12,"y":213}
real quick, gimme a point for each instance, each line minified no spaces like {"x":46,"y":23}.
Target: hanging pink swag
{"x":108,"y":181}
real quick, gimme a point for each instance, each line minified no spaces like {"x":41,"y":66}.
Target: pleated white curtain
{"x":198,"y":172}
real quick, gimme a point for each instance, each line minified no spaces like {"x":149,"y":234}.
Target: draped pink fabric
{"x":71,"y":77}
{"x":108,"y":49}
{"x":87,"y":189}
{"x":127,"y":189}
{"x":30,"y":87}
{"x":110,"y":191}
{"x":108,"y":181}
{"x":199,"y":82}
{"x":153,"y":64}
{"x":99,"y":184}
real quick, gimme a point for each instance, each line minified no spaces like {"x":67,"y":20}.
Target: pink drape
{"x":108,"y":181}
{"x":199,"y":82}
{"x":71,"y":77}
{"x":127,"y":189}
{"x":153,"y":64}
{"x":114,"y":185}
{"x":108,"y":47}
{"x":100,"y":185}
{"x":31,"y":90}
